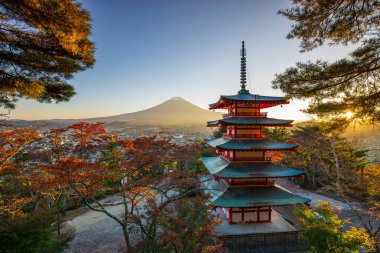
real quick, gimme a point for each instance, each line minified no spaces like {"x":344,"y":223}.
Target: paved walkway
{"x":345,"y":211}
{"x":96,"y":232}
{"x":308,"y":194}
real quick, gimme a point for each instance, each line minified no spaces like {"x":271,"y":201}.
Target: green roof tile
{"x":221,"y":167}
{"x":224,"y":196}
{"x":250,"y":97}
{"x":260,"y":121}
{"x":247,"y":144}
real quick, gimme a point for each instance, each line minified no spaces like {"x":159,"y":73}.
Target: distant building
{"x":242,"y":182}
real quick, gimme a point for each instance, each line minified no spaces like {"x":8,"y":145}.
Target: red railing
{"x":263,"y":181}
{"x":252,"y":114}
{"x":246,"y":159}
{"x":246,"y":135}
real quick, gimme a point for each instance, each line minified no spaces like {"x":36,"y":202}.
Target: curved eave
{"x":224,"y":143}
{"x":243,"y":197}
{"x":222,"y":168}
{"x":214,"y":123}
{"x":264,"y":101}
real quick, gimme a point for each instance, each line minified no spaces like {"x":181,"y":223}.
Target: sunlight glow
{"x":349,"y":115}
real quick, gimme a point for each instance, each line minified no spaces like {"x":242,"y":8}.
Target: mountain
{"x":173,"y":112}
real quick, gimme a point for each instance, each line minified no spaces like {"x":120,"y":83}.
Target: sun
{"x":349,"y":114}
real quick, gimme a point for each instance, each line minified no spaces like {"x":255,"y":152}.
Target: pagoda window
{"x":249,"y":156}
{"x":264,"y":214}
{"x":250,"y":216}
{"x":249,"y":132}
{"x":237,"y":217}
{"x":247,"y":215}
{"x":247,"y":109}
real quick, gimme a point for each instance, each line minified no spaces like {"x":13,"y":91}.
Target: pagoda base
{"x":278,"y":236}
{"x":247,"y":215}
{"x":277,"y":224}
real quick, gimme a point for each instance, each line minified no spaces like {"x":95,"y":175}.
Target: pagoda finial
{"x":243,"y":69}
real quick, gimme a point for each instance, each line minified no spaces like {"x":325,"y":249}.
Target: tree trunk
{"x":59,"y":223}
{"x":126,"y":238}
{"x":362,"y":190}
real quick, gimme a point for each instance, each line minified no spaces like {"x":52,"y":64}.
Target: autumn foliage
{"x":13,"y":144}
{"x":43,"y":44}
{"x":323,"y":231}
{"x":155,"y":180}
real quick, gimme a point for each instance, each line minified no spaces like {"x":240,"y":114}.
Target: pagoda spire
{"x":243,"y":69}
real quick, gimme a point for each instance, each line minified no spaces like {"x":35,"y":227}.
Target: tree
{"x":156,"y":181}
{"x":323,"y":231}
{"x":315,"y":156}
{"x":68,"y":162}
{"x":331,"y":163}
{"x":219,"y":133}
{"x":42,"y":44}
{"x":280,"y":134}
{"x":22,"y":226}
{"x":187,"y":226}
{"x":154,"y":184}
{"x":149,"y":177}
{"x":14,"y":145}
{"x":29,"y":233}
{"x":351,"y":84}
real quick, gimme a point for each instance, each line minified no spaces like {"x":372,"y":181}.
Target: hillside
{"x":173,"y":112}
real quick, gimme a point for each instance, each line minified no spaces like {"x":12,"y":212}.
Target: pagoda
{"x":243,"y":177}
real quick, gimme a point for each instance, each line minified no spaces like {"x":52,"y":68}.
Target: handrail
{"x":253,"y":158}
{"x":246,"y":135}
{"x":253,"y":114}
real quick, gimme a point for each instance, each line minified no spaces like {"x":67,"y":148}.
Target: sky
{"x":150,"y":51}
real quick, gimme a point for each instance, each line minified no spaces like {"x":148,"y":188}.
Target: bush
{"x":323,"y":231}
{"x":29,"y":234}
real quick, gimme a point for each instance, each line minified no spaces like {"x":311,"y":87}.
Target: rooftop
{"x":248,"y":144}
{"x":221,"y":167}
{"x":248,"y":196}
{"x":225,"y":100}
{"x":260,"y":121}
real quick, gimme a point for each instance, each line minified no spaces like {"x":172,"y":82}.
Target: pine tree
{"x":42,"y":44}
{"x":350,"y":84}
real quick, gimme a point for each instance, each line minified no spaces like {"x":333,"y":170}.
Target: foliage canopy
{"x":323,"y":230}
{"x":349,"y":84}
{"x":42,"y":44}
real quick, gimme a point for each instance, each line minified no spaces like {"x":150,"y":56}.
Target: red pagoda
{"x":243,"y":177}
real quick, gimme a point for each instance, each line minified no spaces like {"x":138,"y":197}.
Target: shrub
{"x":27,"y":234}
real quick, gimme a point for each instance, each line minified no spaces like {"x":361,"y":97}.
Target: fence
{"x":265,"y":243}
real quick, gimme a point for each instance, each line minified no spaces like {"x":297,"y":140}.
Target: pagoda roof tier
{"x":248,"y":144}
{"x":220,"y":167}
{"x":250,"y":196}
{"x":264,"y":101}
{"x":253,"y":121}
